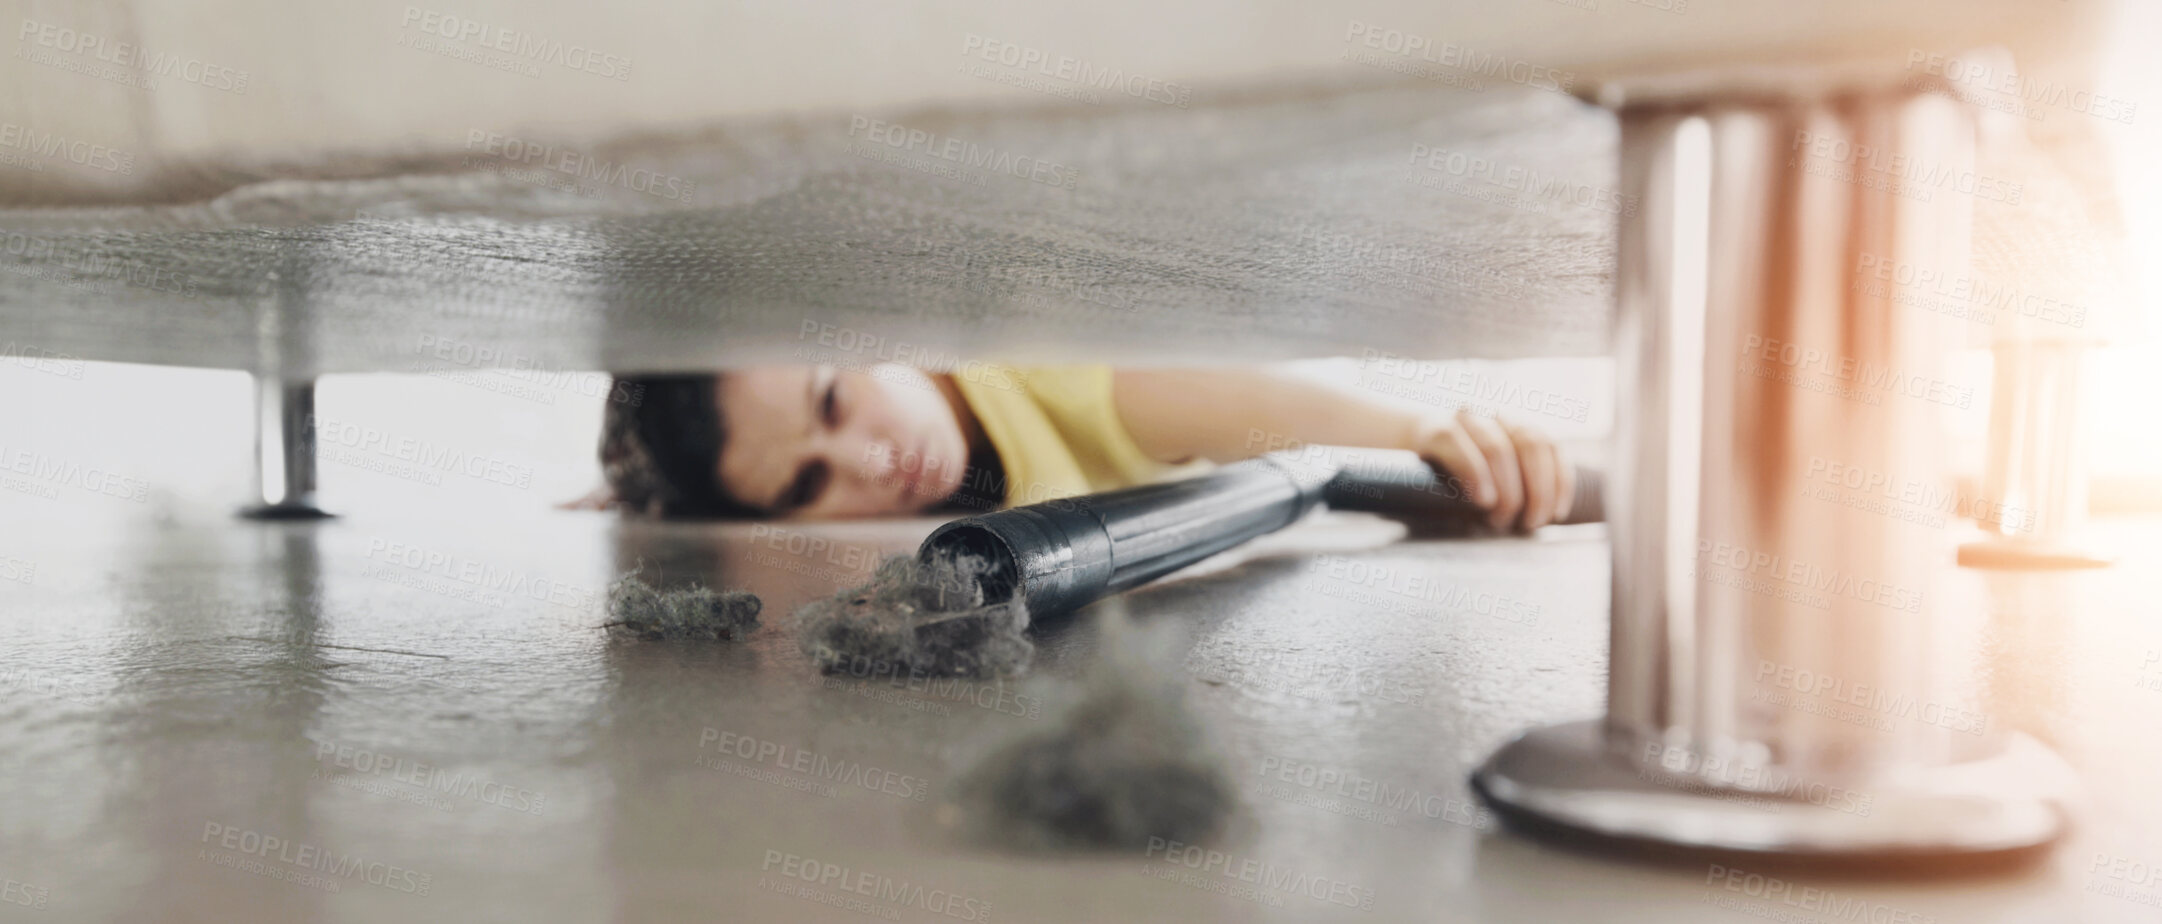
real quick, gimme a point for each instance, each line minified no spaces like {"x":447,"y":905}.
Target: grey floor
{"x":177,"y":691}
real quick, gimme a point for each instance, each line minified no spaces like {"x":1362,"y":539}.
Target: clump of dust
{"x":696,"y":611}
{"x":917,"y":618}
{"x":1127,"y":761}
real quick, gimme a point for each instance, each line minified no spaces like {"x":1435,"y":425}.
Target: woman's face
{"x":816,"y":442}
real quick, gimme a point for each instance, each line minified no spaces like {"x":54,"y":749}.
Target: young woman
{"x":823,"y":442}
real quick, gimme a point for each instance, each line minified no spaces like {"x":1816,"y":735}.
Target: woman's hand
{"x":1513,"y":473}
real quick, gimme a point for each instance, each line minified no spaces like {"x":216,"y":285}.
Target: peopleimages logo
{"x":428,"y":776}
{"x":53,"y":146}
{"x":1801,"y":575}
{"x":1928,"y":495}
{"x":1902,"y":168}
{"x":874,"y":885}
{"x":965,"y":153}
{"x":24,"y":894}
{"x":580,"y":166}
{"x":1076,"y":71}
{"x":1760,"y":779}
{"x":1418,"y":588}
{"x":513,"y":582}
{"x":249,"y":843}
{"x":1867,"y":376}
{"x":1961,"y":295}
{"x":1877,"y":698}
{"x":427,"y":458}
{"x":1358,"y":787}
{"x":1415,"y":47}
{"x":525,"y":45}
{"x":1472,"y":384}
{"x":1528,"y":186}
{"x":2018,"y":88}
{"x":98,"y":48}
{"x":1776,"y":891}
{"x":810,"y":763}
{"x":1260,"y":873}
{"x":55,"y":471}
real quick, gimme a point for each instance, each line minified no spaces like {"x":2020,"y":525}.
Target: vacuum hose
{"x":1061,"y":555}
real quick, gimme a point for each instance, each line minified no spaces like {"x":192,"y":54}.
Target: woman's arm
{"x":1176,"y":415}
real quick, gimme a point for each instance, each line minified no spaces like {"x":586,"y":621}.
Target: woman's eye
{"x":829,"y":406}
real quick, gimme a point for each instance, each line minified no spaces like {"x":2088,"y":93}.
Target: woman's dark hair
{"x":661,"y":439}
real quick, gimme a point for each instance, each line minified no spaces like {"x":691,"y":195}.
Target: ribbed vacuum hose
{"x":1061,"y":555}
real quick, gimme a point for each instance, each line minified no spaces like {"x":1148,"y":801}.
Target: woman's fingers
{"x":1514,"y":473}
{"x":1541,"y":479}
{"x":601,"y":498}
{"x":1452,"y":451}
{"x":1564,"y":486}
{"x":1501,"y":461}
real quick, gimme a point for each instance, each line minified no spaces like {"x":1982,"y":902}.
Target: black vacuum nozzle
{"x":1061,"y":555}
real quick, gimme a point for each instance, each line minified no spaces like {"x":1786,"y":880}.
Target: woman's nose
{"x":872,"y":459}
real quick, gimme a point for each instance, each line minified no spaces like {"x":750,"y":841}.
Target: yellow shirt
{"x":1056,"y":430}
